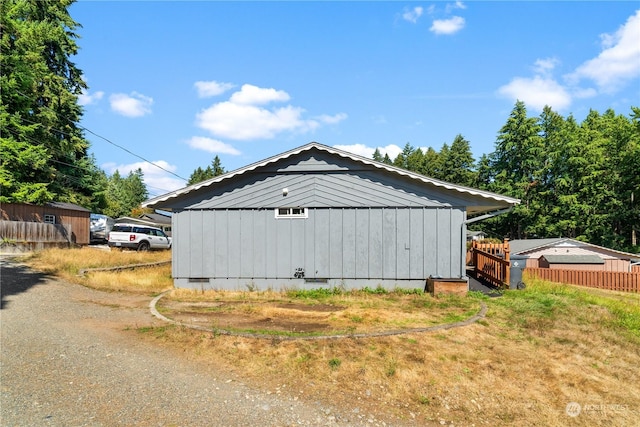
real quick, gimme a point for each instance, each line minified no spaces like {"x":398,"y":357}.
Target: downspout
{"x":631,"y":264}
{"x":487,"y":216}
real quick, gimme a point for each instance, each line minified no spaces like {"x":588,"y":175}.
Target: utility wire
{"x":55,"y":150}
{"x":103,"y":138}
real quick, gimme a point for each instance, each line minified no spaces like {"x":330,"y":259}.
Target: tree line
{"x":578,"y":180}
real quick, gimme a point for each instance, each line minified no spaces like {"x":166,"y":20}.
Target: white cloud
{"x":332,"y":120}
{"x":545,"y":66}
{"x":254,"y":95}
{"x":157,"y":180}
{"x":243,"y":122}
{"x":619,"y":61}
{"x":211,"y":145}
{"x":537,"y":92}
{"x":615,"y":66}
{"x":447,"y":26}
{"x":456,"y":5}
{"x":133,"y":105}
{"x":246,"y":116}
{"x":412,"y":15}
{"x":85,"y":98}
{"x":212,"y":88}
{"x":365,"y":151}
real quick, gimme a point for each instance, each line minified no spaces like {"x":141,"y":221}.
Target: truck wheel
{"x":143,"y":246}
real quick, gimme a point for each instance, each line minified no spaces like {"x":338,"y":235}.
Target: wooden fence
{"x":12,"y":232}
{"x":491,"y":262}
{"x":611,"y":280}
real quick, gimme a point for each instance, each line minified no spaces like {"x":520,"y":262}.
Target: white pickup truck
{"x":138,"y":237}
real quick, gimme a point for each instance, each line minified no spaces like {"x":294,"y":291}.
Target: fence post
{"x":507,"y":263}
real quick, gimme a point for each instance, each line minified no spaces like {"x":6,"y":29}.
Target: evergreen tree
{"x":377,"y":156}
{"x":124,"y":195}
{"x":431,"y":163}
{"x":44,"y":153}
{"x":213,"y":170}
{"x":517,"y":167}
{"x":458,"y":163}
{"x":402,"y":159}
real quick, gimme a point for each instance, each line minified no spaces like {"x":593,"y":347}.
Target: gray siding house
{"x":317,"y":216}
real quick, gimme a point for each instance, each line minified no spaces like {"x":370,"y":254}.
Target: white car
{"x":138,"y":237}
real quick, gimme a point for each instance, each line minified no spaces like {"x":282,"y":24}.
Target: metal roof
{"x":573,"y":259}
{"x":334,"y":151}
{"x":529,"y":245}
{"x":67,"y":206}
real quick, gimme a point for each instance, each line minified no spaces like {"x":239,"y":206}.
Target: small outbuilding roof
{"x":524,"y":246}
{"x":491,"y":201}
{"x":573,"y":259}
{"x":67,"y":206}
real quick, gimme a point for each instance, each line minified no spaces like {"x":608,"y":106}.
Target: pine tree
{"x":516,"y":162}
{"x":211,"y":171}
{"x":44,"y":152}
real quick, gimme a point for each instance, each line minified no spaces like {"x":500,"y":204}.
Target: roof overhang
{"x":493,"y":201}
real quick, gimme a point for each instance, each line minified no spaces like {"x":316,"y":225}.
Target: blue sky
{"x":177,"y":83}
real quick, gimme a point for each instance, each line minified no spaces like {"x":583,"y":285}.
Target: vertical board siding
{"x":390,"y":243}
{"x":375,"y":243}
{"x":417,"y":244}
{"x":298,"y":237}
{"x":444,"y":242}
{"x":221,"y":242}
{"x":403,"y":244}
{"x":336,"y":244}
{"x":246,"y":243}
{"x":389,"y":249}
{"x":260,"y":246}
{"x":322,"y":242}
{"x":196,"y":260}
{"x":361,"y":229}
{"x":283,"y":248}
{"x":349,"y":238}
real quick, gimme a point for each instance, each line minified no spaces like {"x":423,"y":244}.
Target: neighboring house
{"x":571,"y":254}
{"x":476,"y":235}
{"x":69,"y":222}
{"x":157,"y":220}
{"x":318,"y":216}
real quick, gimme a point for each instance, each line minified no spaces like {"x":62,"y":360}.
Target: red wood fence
{"x":491,"y":262}
{"x":611,"y":280}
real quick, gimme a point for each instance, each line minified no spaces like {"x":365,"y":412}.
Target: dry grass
{"x":67,"y":263}
{"x":535,"y":352}
{"x":315,"y":313}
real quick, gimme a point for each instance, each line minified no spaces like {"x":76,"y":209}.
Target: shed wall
{"x":76,"y":223}
{"x":387,"y":244}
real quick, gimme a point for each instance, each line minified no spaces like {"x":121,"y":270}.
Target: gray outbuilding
{"x":316,"y":216}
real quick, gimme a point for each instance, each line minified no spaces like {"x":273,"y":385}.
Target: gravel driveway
{"x":69,"y":357}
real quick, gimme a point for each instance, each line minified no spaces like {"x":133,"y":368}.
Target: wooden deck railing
{"x":611,"y":280}
{"x":492,"y":262}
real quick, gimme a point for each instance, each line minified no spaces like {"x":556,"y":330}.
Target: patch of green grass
{"x":334,"y":363}
{"x":155,"y":331}
{"x":541,"y":304}
{"x":391,"y":367}
{"x":315,"y":294}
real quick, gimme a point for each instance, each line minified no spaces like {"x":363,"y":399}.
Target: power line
{"x":103,"y":138}
{"x":60,"y":152}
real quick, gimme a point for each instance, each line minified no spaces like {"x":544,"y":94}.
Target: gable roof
{"x":521,"y":247}
{"x":493,"y":201}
